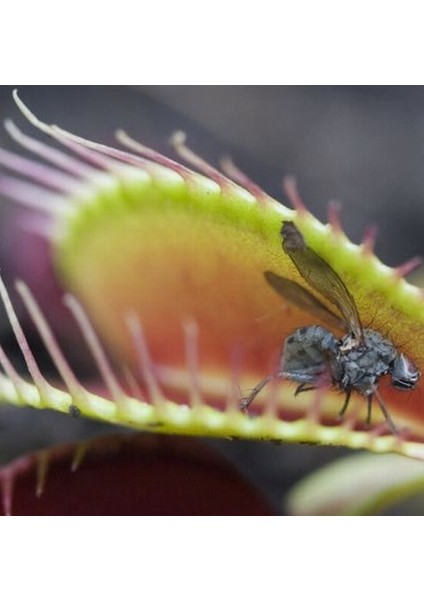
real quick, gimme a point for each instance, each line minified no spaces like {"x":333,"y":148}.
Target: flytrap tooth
{"x":73,"y":142}
{"x":29,"y":115}
{"x":74,"y":387}
{"x":56,"y":157}
{"x":234,"y":389}
{"x":8,"y":475}
{"x":191,"y":339}
{"x":49,"y":177}
{"x":400,"y":438}
{"x":133,"y":385}
{"x":42,"y":467}
{"x":40,"y":382}
{"x":80,"y":453}
{"x":152,"y":155}
{"x":12,"y":374}
{"x":6,"y":483}
{"x":378,"y":430}
{"x":369,"y":239}
{"x":145,"y":364}
{"x":234,"y":394}
{"x":59,"y":135}
{"x":90,"y":155}
{"x":313,"y":413}
{"x":177,"y":141}
{"x":292,"y":193}
{"x":407,"y":267}
{"x":115,"y":390}
{"x":350,"y":419}
{"x":271,"y":399}
{"x":106,"y":157}
{"x":333,"y":211}
{"x":34,"y":196}
{"x":237,"y":175}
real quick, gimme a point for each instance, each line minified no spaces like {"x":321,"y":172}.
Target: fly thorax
{"x":348,"y":343}
{"x":363,"y":364}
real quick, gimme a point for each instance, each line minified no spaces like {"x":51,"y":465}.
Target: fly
{"x":313,"y":355}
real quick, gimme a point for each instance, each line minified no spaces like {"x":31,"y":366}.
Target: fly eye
{"x":405,"y":375}
{"x":403,"y":384}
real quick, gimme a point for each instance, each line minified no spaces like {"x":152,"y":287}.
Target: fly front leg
{"x":247,"y":401}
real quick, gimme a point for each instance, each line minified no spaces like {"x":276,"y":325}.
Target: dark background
{"x":361,"y":146}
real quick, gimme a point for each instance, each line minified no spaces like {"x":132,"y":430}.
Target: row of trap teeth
{"x":53,"y":186}
{"x":77,"y":392}
{"x":79,"y":398}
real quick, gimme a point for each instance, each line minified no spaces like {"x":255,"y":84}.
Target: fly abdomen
{"x":308,"y":353}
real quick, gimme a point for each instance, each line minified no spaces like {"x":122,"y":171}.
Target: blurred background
{"x":361,"y":146}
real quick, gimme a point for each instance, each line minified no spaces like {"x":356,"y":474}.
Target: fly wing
{"x":300,"y":297}
{"x":320,"y":276}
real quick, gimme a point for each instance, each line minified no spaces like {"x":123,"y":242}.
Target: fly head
{"x":404,"y":373}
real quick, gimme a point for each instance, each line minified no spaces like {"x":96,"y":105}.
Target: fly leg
{"x":247,"y":401}
{"x":303,"y":387}
{"x":369,"y":406}
{"x":346,"y":403}
{"x":385,"y":413}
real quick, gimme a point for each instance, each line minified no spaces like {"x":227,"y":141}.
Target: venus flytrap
{"x":168,"y":265}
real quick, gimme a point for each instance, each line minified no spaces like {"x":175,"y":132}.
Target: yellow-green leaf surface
{"x":169,"y":266}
